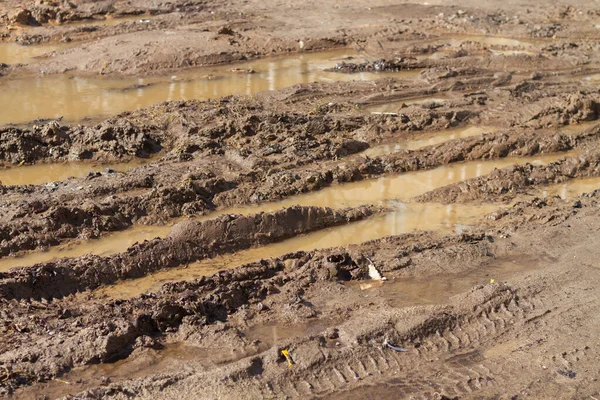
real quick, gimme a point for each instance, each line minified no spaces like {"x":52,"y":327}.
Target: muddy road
{"x":251,"y":200}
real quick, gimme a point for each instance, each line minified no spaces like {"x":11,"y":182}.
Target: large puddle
{"x":75,"y":98}
{"x":384,"y":191}
{"x":42,"y":173}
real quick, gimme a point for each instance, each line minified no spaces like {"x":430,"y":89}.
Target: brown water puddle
{"x":407,"y":217}
{"x":13,"y":53}
{"x":428,"y":139}
{"x":108,"y":21}
{"x":77,"y":97}
{"x":571,"y":188}
{"x":382,"y":191}
{"x":412,"y":291}
{"x":172,"y":358}
{"x":42,"y":173}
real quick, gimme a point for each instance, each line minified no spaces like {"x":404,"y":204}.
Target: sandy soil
{"x":505,"y":307}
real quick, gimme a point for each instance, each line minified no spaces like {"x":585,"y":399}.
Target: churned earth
{"x":318,"y":199}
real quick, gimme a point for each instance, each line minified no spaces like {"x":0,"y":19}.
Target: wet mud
{"x":204,"y":199}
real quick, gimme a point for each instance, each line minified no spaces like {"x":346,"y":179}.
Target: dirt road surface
{"x":319,"y":199}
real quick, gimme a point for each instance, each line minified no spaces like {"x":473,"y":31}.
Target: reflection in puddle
{"x":595,"y":78}
{"x":407,"y":217}
{"x":77,"y":97}
{"x":382,"y":191}
{"x":42,"y":173}
{"x":572,"y":188}
{"x":428,"y":139}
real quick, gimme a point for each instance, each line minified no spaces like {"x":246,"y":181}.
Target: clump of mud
{"x":381,"y":65}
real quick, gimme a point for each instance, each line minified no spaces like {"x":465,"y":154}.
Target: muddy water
{"x":108,"y":21}
{"x":77,"y":97}
{"x":172,"y":358}
{"x":407,"y":217}
{"x":405,"y":292}
{"x":572,"y":188}
{"x":382,"y":191}
{"x":42,"y":173}
{"x":12,"y":53}
{"x":110,"y":244}
{"x":428,"y":139}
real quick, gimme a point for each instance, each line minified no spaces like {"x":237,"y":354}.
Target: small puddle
{"x":382,"y":191}
{"x":407,"y":217}
{"x":572,"y":188}
{"x":108,"y":21}
{"x":13,"y":53}
{"x":41,"y":173}
{"x":170,"y":359}
{"x":428,"y":139}
{"x":413,"y":291}
{"x":75,"y":97}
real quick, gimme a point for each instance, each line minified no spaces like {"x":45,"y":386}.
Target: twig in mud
{"x":6,"y":373}
{"x":395,"y":348}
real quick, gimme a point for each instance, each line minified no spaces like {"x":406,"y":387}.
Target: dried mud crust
{"x":466,"y":341}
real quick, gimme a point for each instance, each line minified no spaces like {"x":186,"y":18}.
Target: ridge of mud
{"x":187,"y":242}
{"x":505,"y":184}
{"x":53,"y":142}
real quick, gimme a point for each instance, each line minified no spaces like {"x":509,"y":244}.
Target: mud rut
{"x":267,"y":194}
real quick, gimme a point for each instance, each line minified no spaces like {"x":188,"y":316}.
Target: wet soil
{"x":404,"y":197}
